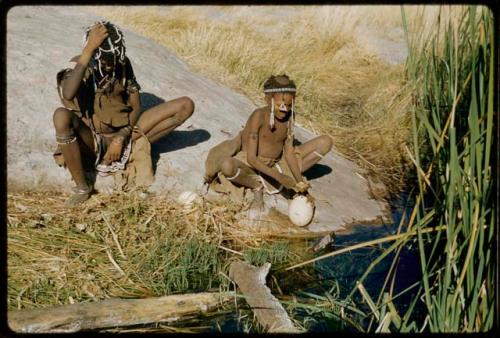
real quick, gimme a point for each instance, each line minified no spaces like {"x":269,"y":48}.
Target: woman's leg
{"x":242,"y":175}
{"x":159,"y":121}
{"x":75,"y":140}
{"x":313,"y":151}
{"x":239,"y":173}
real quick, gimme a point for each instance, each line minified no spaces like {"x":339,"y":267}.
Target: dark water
{"x":345,"y":269}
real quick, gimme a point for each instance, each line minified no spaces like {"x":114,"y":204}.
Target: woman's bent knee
{"x":325,"y":143}
{"x":227,"y":167}
{"x":187,"y":107}
{"x":62,"y":118}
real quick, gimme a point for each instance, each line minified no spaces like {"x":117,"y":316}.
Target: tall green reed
{"x":451,"y":71}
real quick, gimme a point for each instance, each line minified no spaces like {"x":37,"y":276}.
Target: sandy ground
{"x":41,"y":40}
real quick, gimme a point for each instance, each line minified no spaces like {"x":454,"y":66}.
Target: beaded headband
{"x":280,"y":90}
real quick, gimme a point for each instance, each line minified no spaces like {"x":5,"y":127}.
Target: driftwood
{"x":114,"y":313}
{"x":268,"y":310}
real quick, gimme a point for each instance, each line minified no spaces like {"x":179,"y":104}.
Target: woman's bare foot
{"x":257,"y":207}
{"x":80,"y":195}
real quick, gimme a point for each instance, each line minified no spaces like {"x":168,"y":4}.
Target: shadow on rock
{"x":317,"y":171}
{"x":177,"y":139}
{"x":149,"y":100}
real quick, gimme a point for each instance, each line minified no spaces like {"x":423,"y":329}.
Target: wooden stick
{"x":268,"y":310}
{"x":230,"y":250}
{"x":115,"y":237}
{"x":114,"y":313}
{"x":112,"y":260}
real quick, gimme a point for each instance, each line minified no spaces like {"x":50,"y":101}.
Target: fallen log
{"x":269,"y":312}
{"x":114,"y":313}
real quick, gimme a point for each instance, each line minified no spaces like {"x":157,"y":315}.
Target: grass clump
{"x":178,"y":267}
{"x":454,"y":114}
{"x":274,"y":253}
{"x":123,"y":246}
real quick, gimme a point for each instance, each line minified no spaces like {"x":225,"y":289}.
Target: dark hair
{"x":279,"y":82}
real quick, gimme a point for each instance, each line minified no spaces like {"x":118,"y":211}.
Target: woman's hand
{"x":97,"y":34}
{"x":302,"y":187}
{"x":114,"y":151}
{"x":287,"y":181}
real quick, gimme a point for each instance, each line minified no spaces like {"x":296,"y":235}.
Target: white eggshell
{"x":187,"y":198}
{"x":300,"y":211}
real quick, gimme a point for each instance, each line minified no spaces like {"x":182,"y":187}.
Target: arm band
{"x":125,"y":131}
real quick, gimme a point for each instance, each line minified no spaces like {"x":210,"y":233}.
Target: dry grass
{"x":122,"y":246}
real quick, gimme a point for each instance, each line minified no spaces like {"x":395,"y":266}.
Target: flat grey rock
{"x":42,"y":39}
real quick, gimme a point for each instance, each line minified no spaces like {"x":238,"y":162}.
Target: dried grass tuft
{"x":123,"y":246}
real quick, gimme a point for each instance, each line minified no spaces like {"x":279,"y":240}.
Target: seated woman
{"x":262,"y":156}
{"x":101,"y":122}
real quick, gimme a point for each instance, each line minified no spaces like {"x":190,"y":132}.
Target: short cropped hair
{"x":279,"y":83}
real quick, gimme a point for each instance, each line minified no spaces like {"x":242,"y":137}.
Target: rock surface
{"x":42,"y":39}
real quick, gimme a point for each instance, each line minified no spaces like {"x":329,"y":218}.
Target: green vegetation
{"x":454,"y":119}
{"x":451,"y":70}
{"x":123,"y":246}
{"x":274,"y":253}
